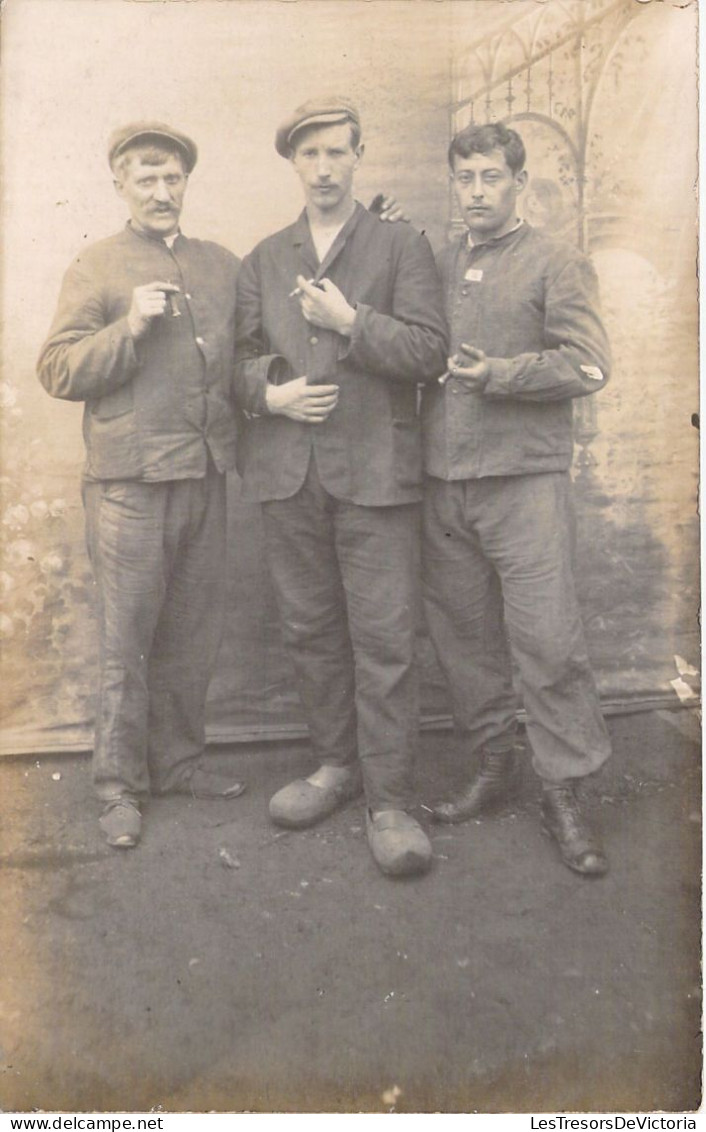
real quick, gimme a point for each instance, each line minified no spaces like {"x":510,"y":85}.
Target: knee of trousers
{"x":555,"y":669}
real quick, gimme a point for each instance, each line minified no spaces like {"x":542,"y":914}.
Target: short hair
{"x":296,"y":138}
{"x":484,"y":139}
{"x":150,"y":153}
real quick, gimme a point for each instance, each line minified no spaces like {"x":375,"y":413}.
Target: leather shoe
{"x":303,"y":803}
{"x":209,"y":784}
{"x":398,"y":843}
{"x":121,"y":823}
{"x":495,"y":782}
{"x":579,"y":845}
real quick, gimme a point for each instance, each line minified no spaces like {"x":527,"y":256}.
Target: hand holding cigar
{"x":149,"y":302}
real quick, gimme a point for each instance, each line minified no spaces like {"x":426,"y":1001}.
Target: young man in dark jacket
{"x":339,"y":318}
{"x":526,"y":339}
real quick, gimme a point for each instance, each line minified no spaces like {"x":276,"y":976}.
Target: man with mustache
{"x":526,"y":338}
{"x":339,"y":318}
{"x":144,"y":335}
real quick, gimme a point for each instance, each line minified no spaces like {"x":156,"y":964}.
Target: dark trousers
{"x":158,"y":556}
{"x":345,"y":577}
{"x":498,"y":587}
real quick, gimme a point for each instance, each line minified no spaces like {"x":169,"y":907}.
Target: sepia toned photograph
{"x":349,"y":557}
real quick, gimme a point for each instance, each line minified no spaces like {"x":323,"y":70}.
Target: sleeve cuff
{"x":348,"y":344}
{"x":500,"y":377}
{"x":273,"y":369}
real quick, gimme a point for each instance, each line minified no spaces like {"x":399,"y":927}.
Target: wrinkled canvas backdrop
{"x":604,"y":92}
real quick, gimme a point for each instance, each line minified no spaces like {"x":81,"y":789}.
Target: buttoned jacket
{"x":369,"y":449}
{"x":156,"y":406}
{"x":530,"y":302}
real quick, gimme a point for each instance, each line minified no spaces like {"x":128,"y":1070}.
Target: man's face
{"x":325,"y":160}
{"x":486,"y":190}
{"x":153,"y":193}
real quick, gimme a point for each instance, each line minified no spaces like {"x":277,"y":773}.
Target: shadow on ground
{"x":299,"y":979}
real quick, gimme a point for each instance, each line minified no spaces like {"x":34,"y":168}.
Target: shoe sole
{"x":123,"y":843}
{"x":408,"y":867}
{"x":225,"y":795}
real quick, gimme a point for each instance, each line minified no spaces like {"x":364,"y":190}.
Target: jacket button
{"x":313,"y":339}
{"x":199,"y":342}
{"x":187,"y":295}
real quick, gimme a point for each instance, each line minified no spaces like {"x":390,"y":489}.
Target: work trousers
{"x":158,"y":556}
{"x":498,"y":586}
{"x":345,"y":577}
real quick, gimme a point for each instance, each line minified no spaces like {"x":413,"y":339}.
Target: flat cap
{"x":121,"y":139}
{"x":325,"y":111}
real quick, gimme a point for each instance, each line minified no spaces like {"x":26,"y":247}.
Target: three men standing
{"x":338,"y":320}
{"x":526,"y":339}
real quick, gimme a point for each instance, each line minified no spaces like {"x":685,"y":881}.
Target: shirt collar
{"x":302,"y":231}
{"x":168,"y":241}
{"x":494,"y":239}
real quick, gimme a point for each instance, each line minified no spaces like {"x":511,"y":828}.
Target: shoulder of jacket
{"x":276,"y":239}
{"x":555,"y":252}
{"x":397,"y":232}
{"x":449,"y":251}
{"x":214,"y":250}
{"x":93,"y":256}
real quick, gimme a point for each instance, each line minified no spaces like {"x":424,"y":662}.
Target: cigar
{"x":173,"y":304}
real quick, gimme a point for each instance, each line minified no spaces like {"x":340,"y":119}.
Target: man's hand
{"x":475,"y":375}
{"x":388,"y":208}
{"x":311,"y":404}
{"x":148,"y":302}
{"x":324,"y":305}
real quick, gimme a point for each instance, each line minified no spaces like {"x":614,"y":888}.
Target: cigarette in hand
{"x":298,"y":290}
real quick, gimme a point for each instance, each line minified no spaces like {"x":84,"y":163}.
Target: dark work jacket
{"x":157,"y":406}
{"x":530,"y":303}
{"x":369,"y":449}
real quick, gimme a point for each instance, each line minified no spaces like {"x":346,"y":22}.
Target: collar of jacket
{"x":152,"y":239}
{"x":521,"y":229}
{"x":301,"y":238}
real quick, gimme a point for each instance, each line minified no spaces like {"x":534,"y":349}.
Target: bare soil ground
{"x":295,"y":977}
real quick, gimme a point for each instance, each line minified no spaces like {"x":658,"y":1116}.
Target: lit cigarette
{"x":173,"y":304}
{"x":298,"y":290}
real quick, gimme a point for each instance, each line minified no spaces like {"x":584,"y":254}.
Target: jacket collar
{"x":152,"y":239}
{"x":301,"y":238}
{"x":517,"y":233}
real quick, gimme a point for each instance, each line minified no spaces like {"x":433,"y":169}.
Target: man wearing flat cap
{"x":339,"y":319}
{"x":143,"y":335}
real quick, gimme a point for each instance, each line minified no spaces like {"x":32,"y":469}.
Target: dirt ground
{"x":300,"y":979}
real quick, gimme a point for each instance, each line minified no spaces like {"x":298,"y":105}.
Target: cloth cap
{"x":123,"y":138}
{"x":326,"y":111}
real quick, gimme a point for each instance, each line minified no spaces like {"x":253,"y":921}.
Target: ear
{"x":521,"y":181}
{"x":118,"y":186}
{"x":359,"y":152}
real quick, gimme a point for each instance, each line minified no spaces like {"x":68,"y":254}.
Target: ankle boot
{"x":495,"y":782}
{"x":579,"y":845}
